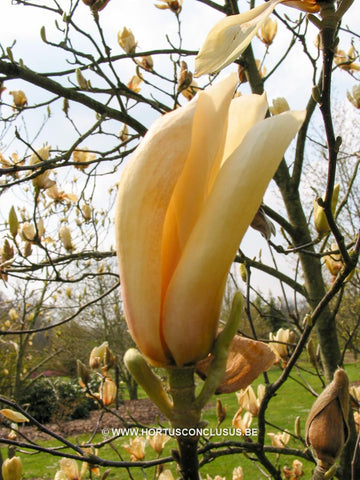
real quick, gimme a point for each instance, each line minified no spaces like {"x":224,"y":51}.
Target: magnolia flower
{"x":279,"y":105}
{"x":242,"y":422}
{"x":126,"y":40}
{"x":268,"y":31}
{"x":59,"y":195}
{"x":281,"y":343}
{"x":134,"y":83}
{"x":42,"y":181}
{"x":354,"y":98}
{"x":65,"y":238}
{"x":333,"y":261}
{"x":146,"y":62}
{"x":82,"y":158}
{"x":19,"y":99}
{"x":249,"y":401}
{"x":107,"y":392}
{"x":173,"y":5}
{"x":190,"y":92}
{"x":279,"y":439}
{"x":231,"y":35}
{"x":346,"y":60}
{"x":184,"y":203}
{"x":238,"y":474}
{"x":70,"y":468}
{"x":136,"y":448}
{"x":11,"y":469}
{"x":157,"y":442}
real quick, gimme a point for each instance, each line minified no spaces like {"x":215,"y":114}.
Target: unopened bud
{"x":185,"y":77}
{"x":13,"y":222}
{"x":327,"y":429}
{"x":83,"y":372}
{"x":220,"y":411}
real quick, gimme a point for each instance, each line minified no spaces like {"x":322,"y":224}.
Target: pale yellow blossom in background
{"x":134,"y":83}
{"x":65,"y":237}
{"x":157,"y":442}
{"x":282,"y":343}
{"x":173,"y":5}
{"x":268,"y":31}
{"x":81,"y":157}
{"x":59,"y":195}
{"x":249,"y":401}
{"x":42,"y":181}
{"x":238,"y":474}
{"x":242,"y":422}
{"x":279,"y":439}
{"x":136,"y":448}
{"x":19,"y":99}
{"x":346,"y":60}
{"x":354,"y":96}
{"x":126,"y":40}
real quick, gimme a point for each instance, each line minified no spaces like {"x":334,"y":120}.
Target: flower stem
{"x":185,"y":419}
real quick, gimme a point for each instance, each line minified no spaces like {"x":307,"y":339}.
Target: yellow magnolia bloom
{"x":70,"y":468}
{"x":279,"y":440}
{"x":231,"y":35}
{"x":12,"y":468}
{"x":136,"y":448}
{"x":185,"y":201}
{"x":126,"y":40}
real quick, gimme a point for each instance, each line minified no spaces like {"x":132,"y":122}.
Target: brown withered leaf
{"x":262,"y":224}
{"x":246,"y":360}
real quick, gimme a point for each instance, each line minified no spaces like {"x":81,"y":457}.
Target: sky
{"x":150,"y":27}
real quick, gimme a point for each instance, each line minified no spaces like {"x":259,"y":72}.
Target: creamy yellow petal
{"x":193,"y":299}
{"x":207,"y":145}
{"x":145,"y":190}
{"x":229,"y":38}
{"x":244,"y":113}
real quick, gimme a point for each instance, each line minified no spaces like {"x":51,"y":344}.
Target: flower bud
{"x":320,"y":220}
{"x":108,"y":391}
{"x":327,"y":429}
{"x":185,"y":77}
{"x":12,"y":469}
{"x":173,"y":5}
{"x":220,"y":411}
{"x":97,"y":355}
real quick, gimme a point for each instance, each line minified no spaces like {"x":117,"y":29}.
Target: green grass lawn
{"x":291,"y":401}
